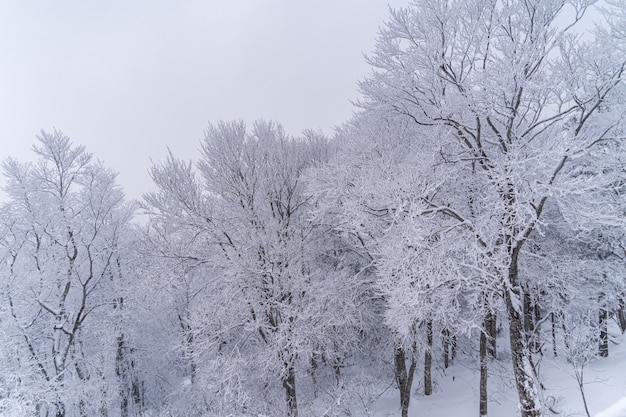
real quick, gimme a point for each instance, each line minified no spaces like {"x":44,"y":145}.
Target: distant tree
{"x":61,"y":229}
{"x":237,"y":223}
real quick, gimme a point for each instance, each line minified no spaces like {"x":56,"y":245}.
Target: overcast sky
{"x":128,"y":78}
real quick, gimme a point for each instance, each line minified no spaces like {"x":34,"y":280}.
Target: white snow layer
{"x":616,"y":410}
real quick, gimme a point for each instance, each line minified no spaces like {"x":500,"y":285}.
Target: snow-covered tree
{"x":525,"y":101}
{"x":238,"y":223}
{"x":376,"y":194}
{"x":61,"y":229}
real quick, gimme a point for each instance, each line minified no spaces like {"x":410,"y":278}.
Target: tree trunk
{"x":527,"y":389}
{"x":621,"y":316}
{"x":428,"y":359}
{"x":138,"y":391}
{"x":289,"y":383}
{"x":490,"y":329}
{"x":404,"y":378}
{"x":454,"y":347}
{"x":124,"y":406}
{"x":493,"y":330}
{"x":60,"y":409}
{"x":483,"y":371}
{"x":121,"y":373}
{"x":529,"y":326}
{"x":604,"y":337}
{"x":191,"y":357}
{"x":621,"y":319}
{"x":337,"y":363}
{"x":537,"y":326}
{"x":313,"y":373}
{"x":446,"y":347}
{"x":552,"y":321}
{"x":565,"y":332}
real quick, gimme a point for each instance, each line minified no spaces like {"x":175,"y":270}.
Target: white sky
{"x":128,"y":78}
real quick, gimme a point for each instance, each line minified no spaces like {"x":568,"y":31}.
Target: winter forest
{"x":469,"y":220}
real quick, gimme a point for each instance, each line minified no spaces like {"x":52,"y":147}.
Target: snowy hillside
{"x":456,"y":392}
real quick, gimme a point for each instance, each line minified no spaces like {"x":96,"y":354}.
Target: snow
{"x":616,"y":410}
{"x":456,"y":389}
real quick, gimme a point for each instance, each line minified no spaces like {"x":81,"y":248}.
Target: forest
{"x":471,"y":213}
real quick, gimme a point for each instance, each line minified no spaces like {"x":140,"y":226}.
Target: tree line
{"x":476,"y":197}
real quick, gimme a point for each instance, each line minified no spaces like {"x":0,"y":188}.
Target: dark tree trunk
{"x":60,"y":409}
{"x":520,"y":354}
{"x":446,"y":347}
{"x":428,"y":359}
{"x":604,"y":337}
{"x":621,"y":319}
{"x":124,"y":407}
{"x":529,"y":325}
{"x":189,"y":346}
{"x":553,"y":330}
{"x":483,"y":370}
{"x":490,"y":328}
{"x":493,"y":330}
{"x":404,"y":378}
{"x":454,"y":347}
{"x":121,"y":373}
{"x":289,"y":383}
{"x":565,"y":332}
{"x":337,"y":363}
{"x":314,"y":373}
{"x":621,"y":316}
{"x":138,"y":391}
{"x":536,"y":337}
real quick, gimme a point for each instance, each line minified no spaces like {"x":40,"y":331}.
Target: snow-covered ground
{"x":456,"y":389}
{"x":616,"y":410}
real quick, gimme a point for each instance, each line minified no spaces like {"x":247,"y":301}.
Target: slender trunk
{"x":104,"y":411}
{"x":483,"y":371}
{"x":446,"y":347}
{"x":314,"y":373}
{"x":490,"y":329}
{"x":404,"y":378}
{"x":289,"y":383}
{"x":60,"y":409}
{"x":57,"y":350}
{"x":527,"y":389}
{"x":537,"y":329}
{"x":191,"y":357}
{"x":121,"y":373}
{"x":553,"y":330}
{"x":579,"y":373}
{"x":621,"y":315}
{"x":604,"y":337}
{"x":621,"y":318}
{"x":124,"y":407}
{"x":337,"y":363}
{"x":493,"y":329}
{"x":137,"y":389}
{"x":454,"y":347}
{"x":565,"y":332}
{"x":428,"y":359}
{"x":529,"y":327}
{"x":59,"y":361}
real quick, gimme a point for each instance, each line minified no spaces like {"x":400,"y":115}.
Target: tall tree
{"x":61,"y":226}
{"x":239,"y":220}
{"x":375,"y":193}
{"x":524,"y":101}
